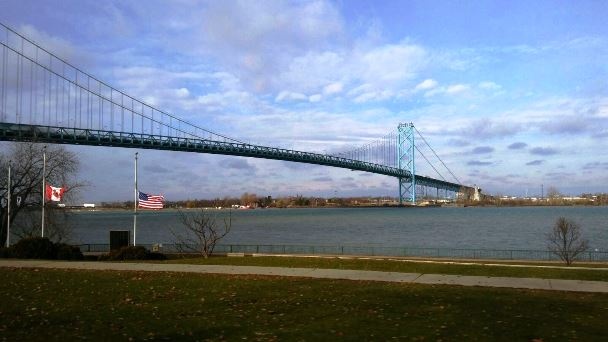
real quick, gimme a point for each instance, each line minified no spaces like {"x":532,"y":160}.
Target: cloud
{"x":393,"y":63}
{"x":482,"y":150}
{"x":479,"y":163}
{"x":486,"y":129}
{"x":566,"y":125}
{"x":290,"y":96}
{"x":459,"y":142}
{"x":426,"y":85}
{"x":457,"y":89}
{"x":600,"y":135}
{"x":535,"y":162}
{"x":543,"y":151}
{"x":155,"y":168}
{"x":596,"y":166}
{"x":315,"y":98}
{"x":58,"y":46}
{"x":238,"y":164}
{"x":453,"y":89}
{"x":333,"y":88}
{"x":517,"y":146}
{"x":323,"y":179}
{"x":268,"y":36}
{"x":489,"y":85}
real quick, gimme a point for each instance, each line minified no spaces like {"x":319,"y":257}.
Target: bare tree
{"x":203,"y":231}
{"x":553,"y":192}
{"x":565,"y":240}
{"x":249,"y":199}
{"x":26,"y":187}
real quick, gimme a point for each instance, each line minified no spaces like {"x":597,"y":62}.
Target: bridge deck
{"x":78,"y":136}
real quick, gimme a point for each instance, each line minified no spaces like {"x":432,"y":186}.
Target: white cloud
{"x":290,"y":96}
{"x":489,"y":85}
{"x":314,"y":98}
{"x":457,"y":89}
{"x":218,"y":101}
{"x":393,"y":63}
{"x":313,"y":71}
{"x":374,"y":96}
{"x":267,"y":38}
{"x":333,"y":88}
{"x":182,"y":93}
{"x":426,"y":85}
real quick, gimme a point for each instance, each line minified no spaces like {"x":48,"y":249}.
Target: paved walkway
{"x":416,"y":278}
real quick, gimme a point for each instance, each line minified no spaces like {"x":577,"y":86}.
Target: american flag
{"x":151,"y":201}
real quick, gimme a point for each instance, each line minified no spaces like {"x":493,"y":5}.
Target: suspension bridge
{"x":45,"y":99}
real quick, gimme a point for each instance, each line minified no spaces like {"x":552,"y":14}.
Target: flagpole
{"x":135,"y":203}
{"x":43,"y":185}
{"x":8,"y":219}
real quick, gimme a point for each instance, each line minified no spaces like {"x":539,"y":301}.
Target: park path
{"x":396,"y":277}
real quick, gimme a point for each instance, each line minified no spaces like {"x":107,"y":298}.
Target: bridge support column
{"x":405,"y":161}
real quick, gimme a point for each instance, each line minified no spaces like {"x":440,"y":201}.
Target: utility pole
{"x":43,"y":186}
{"x":8,"y":208}
{"x":542,"y":191}
{"x":135,"y":204}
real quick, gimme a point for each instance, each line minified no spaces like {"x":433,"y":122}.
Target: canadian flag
{"x":54,"y":194}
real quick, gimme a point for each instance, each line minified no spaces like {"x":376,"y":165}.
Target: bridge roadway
{"x":93,"y":137}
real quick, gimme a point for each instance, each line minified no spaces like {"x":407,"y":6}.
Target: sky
{"x":512,"y":95}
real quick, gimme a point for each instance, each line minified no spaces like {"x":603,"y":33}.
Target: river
{"x":453,"y":227}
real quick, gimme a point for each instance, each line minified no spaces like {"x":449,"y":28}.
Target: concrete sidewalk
{"x":416,"y":278}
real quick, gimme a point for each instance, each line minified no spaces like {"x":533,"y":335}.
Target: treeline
{"x":554,"y":200}
{"x":254,"y":201}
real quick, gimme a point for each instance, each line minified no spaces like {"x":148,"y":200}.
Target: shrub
{"x":6,"y":252}
{"x":67,"y":252}
{"x":35,"y":248}
{"x":135,"y":253}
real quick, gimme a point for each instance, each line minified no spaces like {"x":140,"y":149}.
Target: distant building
{"x":477,"y":194}
{"x":89,"y":205}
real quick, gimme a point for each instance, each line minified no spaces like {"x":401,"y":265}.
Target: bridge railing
{"x":344,"y":250}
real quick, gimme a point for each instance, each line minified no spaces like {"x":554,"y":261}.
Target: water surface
{"x":471,"y":227}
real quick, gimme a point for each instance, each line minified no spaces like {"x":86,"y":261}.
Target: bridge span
{"x":45,"y":99}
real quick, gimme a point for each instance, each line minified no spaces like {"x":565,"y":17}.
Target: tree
{"x":249,"y":199}
{"x":26,"y":188}
{"x":565,"y":240}
{"x":202,"y":231}
{"x":553,"y":192}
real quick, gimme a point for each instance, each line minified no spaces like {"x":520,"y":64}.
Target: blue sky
{"x":511,"y":95}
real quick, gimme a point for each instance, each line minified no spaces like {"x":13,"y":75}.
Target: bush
{"x":134,"y":253}
{"x":6,"y":252}
{"x":35,"y":248}
{"x":67,"y":252}
{"x":41,"y":248}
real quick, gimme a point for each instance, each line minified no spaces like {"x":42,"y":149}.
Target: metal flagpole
{"x":8,"y":211}
{"x":135,"y":203}
{"x":43,"y":185}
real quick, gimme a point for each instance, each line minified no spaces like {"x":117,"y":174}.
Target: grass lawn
{"x":403,"y":266}
{"x":68,"y":304}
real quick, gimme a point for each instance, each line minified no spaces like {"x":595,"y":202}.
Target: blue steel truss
{"x":93,"y":137}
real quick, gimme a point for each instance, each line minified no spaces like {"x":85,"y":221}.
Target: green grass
{"x":402,"y":266}
{"x":67,"y":304}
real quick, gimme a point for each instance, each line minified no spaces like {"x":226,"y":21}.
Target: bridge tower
{"x":405,"y":161}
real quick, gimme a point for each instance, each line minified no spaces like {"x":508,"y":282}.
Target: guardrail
{"x":502,"y":254}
